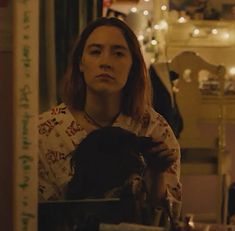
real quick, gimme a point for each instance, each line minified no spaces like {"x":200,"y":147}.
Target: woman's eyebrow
{"x":94,"y":45}
{"x":115,"y":46}
{"x":120,"y":47}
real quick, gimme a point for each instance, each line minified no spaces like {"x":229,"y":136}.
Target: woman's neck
{"x":102,"y":109}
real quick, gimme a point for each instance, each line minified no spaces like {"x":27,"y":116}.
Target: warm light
{"x":163,"y":7}
{"x":181,"y":20}
{"x":145,"y":12}
{"x":226,"y":35}
{"x":196,"y":31}
{"x":154,"y":42}
{"x":191,"y":223}
{"x":152,"y":60}
{"x":214,"y":31}
{"x":163,"y":25}
{"x":156,"y":27}
{"x":141,"y":37}
{"x":146,"y":0}
{"x":232,"y":71}
{"x":133,"y":9}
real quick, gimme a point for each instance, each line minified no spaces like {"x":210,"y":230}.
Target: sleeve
{"x":46,"y":187}
{"x":160,"y":130}
{"x":48,"y":182}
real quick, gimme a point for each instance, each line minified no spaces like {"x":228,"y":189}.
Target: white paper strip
{"x":25,"y":111}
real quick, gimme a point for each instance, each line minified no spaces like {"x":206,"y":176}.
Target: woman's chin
{"x":106,"y":90}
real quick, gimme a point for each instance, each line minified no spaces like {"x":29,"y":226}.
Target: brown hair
{"x":136,"y":95}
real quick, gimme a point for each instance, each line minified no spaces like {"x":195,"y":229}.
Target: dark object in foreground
{"x":109,"y":163}
{"x":79,"y":215}
{"x":108,"y":184}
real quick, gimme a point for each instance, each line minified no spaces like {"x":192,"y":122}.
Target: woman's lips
{"x":105,"y":76}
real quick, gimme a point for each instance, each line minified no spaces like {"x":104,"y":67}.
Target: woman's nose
{"x":105,"y":67}
{"x":105,"y":61}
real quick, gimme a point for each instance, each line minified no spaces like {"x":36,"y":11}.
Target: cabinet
{"x":206,"y":107}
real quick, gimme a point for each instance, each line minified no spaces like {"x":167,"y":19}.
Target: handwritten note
{"x":26,"y":111}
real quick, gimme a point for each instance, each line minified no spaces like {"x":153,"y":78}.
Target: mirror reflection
{"x":99,"y":81}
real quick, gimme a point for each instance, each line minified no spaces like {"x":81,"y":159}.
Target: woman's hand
{"x":160,"y":157}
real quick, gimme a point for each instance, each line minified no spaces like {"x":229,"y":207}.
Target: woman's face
{"x":106,"y":60}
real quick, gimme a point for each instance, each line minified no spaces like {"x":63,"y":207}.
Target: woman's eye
{"x":94,"y":52}
{"x":119,"y":54}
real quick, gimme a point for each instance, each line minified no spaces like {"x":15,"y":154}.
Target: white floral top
{"x":60,"y":133}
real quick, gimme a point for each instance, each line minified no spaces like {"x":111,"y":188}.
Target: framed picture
{"x":197,"y":9}
{"x":228,"y":11}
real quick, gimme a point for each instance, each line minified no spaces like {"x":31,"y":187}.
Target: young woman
{"x":106,"y":84}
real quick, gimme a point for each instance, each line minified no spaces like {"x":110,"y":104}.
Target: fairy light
{"x":146,"y":12}
{"x":163,"y":7}
{"x":163,"y":25}
{"x":182,"y":20}
{"x":226,"y":35}
{"x":196,"y":32}
{"x":214,"y":31}
{"x":133,"y":9}
{"x":156,"y":27}
{"x":232,"y":71}
{"x":154,"y":42}
{"x":141,"y":37}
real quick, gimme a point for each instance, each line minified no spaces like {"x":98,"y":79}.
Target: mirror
{"x":26,"y":84}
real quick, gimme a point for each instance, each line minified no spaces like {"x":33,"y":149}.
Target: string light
{"x":140,"y":37}
{"x":214,"y":31}
{"x":133,"y":9}
{"x":146,"y":12}
{"x":226,"y":35}
{"x":182,"y":20}
{"x":163,"y":25}
{"x":232,"y":71}
{"x":154,"y":42}
{"x":163,"y":7}
{"x":196,"y":32}
{"x":156,"y":27}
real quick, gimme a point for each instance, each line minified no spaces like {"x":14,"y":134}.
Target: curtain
{"x":60,"y":22}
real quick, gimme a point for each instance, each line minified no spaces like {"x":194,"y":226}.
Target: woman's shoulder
{"x":58,"y":110}
{"x":148,"y":121}
{"x":152,"y":117}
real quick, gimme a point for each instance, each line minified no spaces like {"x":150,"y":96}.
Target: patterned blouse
{"x":60,"y":133}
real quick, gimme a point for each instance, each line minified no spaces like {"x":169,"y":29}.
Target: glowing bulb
{"x":133,"y":9}
{"x":181,"y":20}
{"x":214,"y":31}
{"x":163,"y":7}
{"x":154,"y":42}
{"x":232,"y":71}
{"x":226,"y":35}
{"x":140,"y":37}
{"x":196,"y":31}
{"x":156,"y":27}
{"x":145,"y":12}
{"x":163,"y":25}
{"x":146,"y":0}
